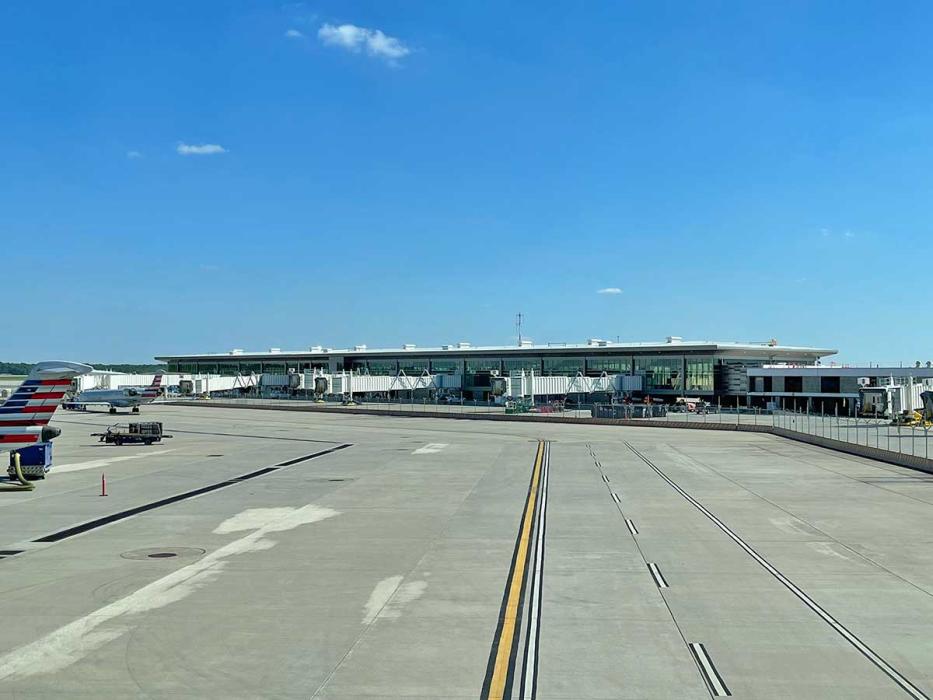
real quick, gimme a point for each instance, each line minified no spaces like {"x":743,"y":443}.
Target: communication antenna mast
{"x":519,"y":317}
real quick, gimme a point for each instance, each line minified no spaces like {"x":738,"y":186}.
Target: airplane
{"x":127,"y":397}
{"x":25,"y":415}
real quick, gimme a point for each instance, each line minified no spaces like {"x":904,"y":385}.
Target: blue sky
{"x":201,"y":176}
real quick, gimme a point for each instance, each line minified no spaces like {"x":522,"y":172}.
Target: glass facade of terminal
{"x":563,"y":366}
{"x":664,"y":373}
{"x":699,"y":374}
{"x":661,"y":373}
{"x":610,"y":364}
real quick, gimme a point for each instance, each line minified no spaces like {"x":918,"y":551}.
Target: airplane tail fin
{"x":24,"y":415}
{"x":153,"y":389}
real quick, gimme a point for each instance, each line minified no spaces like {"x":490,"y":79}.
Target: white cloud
{"x":609,"y":290}
{"x":134,"y":154}
{"x":294,"y":34}
{"x":831,"y":233}
{"x":199,"y":149}
{"x":356,"y":39}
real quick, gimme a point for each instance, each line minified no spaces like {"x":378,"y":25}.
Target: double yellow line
{"x":501,"y":658}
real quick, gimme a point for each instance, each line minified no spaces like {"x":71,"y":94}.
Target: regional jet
{"x":25,"y":415}
{"x":127,"y":397}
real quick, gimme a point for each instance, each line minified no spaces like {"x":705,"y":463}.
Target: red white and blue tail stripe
{"x":24,"y":414}
{"x":152,"y":391}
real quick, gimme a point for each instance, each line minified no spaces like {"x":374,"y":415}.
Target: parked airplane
{"x":127,"y":397}
{"x":25,"y":416}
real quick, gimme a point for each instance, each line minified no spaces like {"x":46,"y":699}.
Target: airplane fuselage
{"x":128,"y":397}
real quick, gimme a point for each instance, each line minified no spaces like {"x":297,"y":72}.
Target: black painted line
{"x":297,"y":460}
{"x":10,"y":552}
{"x":843,"y":631}
{"x":714,"y":682}
{"x":253,"y":475}
{"x":251,"y":437}
{"x":130,"y":512}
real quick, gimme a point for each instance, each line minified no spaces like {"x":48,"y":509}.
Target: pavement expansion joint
{"x":890,"y":671}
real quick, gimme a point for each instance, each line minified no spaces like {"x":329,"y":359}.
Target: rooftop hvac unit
{"x":359,"y":348}
{"x":236,"y":351}
{"x":408,"y":346}
{"x":526,"y":343}
{"x":675,"y":339}
{"x":315,"y":348}
{"x":447,"y":347}
{"x":273,"y":351}
{"x":463,"y":344}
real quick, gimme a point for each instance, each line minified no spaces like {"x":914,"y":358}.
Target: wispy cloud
{"x":294,"y":34}
{"x":356,"y":39}
{"x":199,"y":149}
{"x":134,"y":154}
{"x":830,"y":233}
{"x":609,"y":290}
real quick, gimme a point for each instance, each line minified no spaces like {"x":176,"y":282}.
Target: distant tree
{"x":24,"y":367}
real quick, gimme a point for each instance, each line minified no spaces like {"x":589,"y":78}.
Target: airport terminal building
{"x":667,"y":369}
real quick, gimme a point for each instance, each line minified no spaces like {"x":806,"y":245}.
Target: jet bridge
{"x":350,"y":383}
{"x":521,"y":384}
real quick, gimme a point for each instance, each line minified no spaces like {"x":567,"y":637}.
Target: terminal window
{"x":413,"y":366}
{"x":563,"y":366}
{"x":661,"y":373}
{"x":383,"y":367}
{"x":515,"y":364}
{"x":445,"y":366}
{"x":611,"y":364}
{"x":699,"y":373}
{"x":482,"y":364}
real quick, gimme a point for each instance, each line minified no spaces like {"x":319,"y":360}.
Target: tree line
{"x":24,"y":367}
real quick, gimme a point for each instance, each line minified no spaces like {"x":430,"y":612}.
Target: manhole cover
{"x":164,"y":553}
